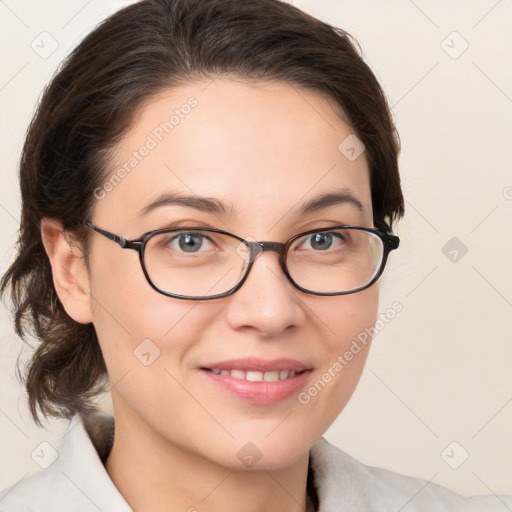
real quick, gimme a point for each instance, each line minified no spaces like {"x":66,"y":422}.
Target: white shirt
{"x":78,"y":482}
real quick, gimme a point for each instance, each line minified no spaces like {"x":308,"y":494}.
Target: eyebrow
{"x":204,"y":204}
{"x":343,"y":196}
{"x":215,"y":206}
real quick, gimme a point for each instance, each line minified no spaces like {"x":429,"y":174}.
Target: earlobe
{"x":69,"y":271}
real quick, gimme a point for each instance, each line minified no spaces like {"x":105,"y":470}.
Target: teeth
{"x":271,"y":376}
{"x":255,"y":376}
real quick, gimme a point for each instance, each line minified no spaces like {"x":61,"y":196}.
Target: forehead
{"x":264,"y":146}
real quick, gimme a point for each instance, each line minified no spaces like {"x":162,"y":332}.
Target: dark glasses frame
{"x":390,"y":243}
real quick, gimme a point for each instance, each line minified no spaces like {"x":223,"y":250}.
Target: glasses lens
{"x":194,"y":263}
{"x":335,"y":261}
{"x":197,"y":263}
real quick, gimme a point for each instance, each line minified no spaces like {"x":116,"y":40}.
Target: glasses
{"x":207,"y":263}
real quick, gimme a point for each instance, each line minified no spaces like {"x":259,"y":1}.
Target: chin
{"x":261,"y":454}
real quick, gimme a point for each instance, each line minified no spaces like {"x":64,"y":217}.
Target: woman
{"x":209,"y":189}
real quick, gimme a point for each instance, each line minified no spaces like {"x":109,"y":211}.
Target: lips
{"x":258,"y":381}
{"x":259,"y":365}
{"x":255,"y":376}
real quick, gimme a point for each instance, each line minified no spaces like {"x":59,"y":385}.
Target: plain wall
{"x":440,"y":371}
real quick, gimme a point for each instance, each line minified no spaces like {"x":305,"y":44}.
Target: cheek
{"x":138,"y":327}
{"x":346,"y":317}
{"x":346,"y":322}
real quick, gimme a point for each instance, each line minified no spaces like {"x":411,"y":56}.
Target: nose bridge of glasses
{"x":256,"y":248}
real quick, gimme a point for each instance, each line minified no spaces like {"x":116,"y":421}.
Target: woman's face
{"x":262,"y":151}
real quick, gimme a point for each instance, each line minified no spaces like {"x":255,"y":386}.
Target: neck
{"x":154,"y":474}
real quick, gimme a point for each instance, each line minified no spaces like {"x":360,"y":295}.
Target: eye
{"x":321,"y":241}
{"x":189,"y":242}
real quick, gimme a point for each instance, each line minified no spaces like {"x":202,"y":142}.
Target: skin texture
{"x":264,"y":149}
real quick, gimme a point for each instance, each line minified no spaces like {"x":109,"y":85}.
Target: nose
{"x":267,"y":302}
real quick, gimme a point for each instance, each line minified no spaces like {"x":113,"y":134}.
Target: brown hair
{"x":91,"y":102}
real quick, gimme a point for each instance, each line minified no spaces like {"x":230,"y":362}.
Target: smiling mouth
{"x":259,"y":381}
{"x":256,"y":376}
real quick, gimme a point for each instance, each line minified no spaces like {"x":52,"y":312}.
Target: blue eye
{"x":321,"y":241}
{"x":188,"y":242}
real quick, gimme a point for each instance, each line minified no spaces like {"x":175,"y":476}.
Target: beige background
{"x":441,"y":370}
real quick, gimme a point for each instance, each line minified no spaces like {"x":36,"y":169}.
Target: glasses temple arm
{"x":117,"y":239}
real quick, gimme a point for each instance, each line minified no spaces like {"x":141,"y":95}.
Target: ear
{"x":70,"y":274}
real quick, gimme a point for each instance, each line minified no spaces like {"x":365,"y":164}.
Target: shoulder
{"x":77,"y":479}
{"x":341,"y":480}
